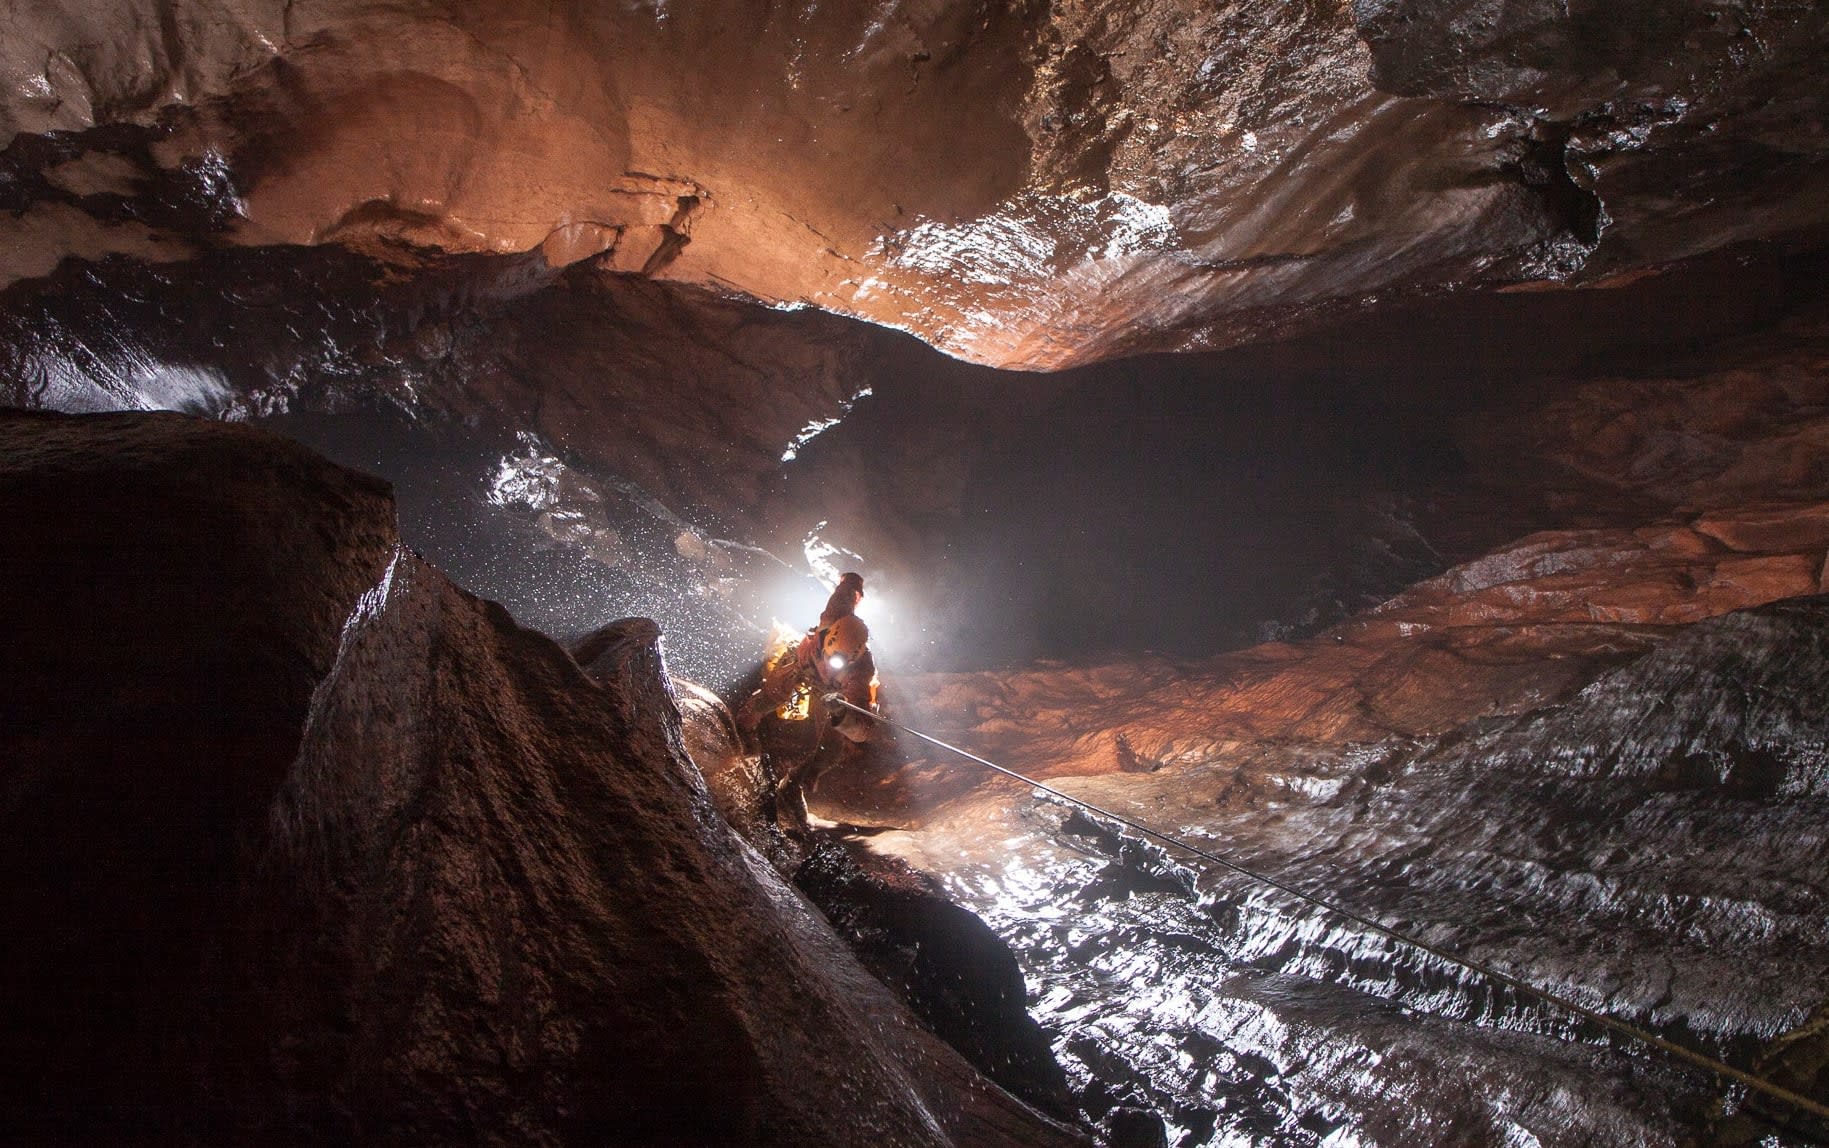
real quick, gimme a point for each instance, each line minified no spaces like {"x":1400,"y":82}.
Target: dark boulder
{"x":301,"y":843}
{"x":740,"y":785}
{"x":954,"y":972}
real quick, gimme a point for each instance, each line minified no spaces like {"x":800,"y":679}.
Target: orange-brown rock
{"x":1600,"y":847}
{"x":1746,"y":424}
{"x":1029,"y":186}
{"x":1504,"y":634}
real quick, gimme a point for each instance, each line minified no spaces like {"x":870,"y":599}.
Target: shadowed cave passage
{"x":581,"y":448}
{"x":1181,"y":504}
{"x":1196,"y":503}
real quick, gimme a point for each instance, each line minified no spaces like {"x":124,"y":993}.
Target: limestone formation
{"x":1031,"y":185}
{"x":1467,"y":564}
{"x":302,"y":843}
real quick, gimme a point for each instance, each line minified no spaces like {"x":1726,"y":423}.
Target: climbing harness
{"x":1624,"y":1028}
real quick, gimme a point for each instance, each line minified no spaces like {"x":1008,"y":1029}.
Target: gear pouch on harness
{"x":794,"y":658}
{"x":799,"y":707}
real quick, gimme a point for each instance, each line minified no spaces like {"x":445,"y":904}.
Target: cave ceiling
{"x":1023,"y":185}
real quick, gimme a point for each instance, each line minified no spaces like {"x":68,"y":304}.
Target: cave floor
{"x":1646,"y":839}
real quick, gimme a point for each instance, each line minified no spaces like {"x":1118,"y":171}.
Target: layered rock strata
{"x":1650,"y":846}
{"x":1590,"y":759}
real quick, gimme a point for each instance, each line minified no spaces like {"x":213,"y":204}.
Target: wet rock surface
{"x":615,"y":372}
{"x":437,"y":244}
{"x":1033,"y":185}
{"x":1510,"y":632}
{"x":1651,"y":846}
{"x":1588,"y":758}
{"x":738,"y":780}
{"x":303,"y":843}
{"x":1510,"y":558}
{"x":545,"y":436}
{"x":952,"y":970}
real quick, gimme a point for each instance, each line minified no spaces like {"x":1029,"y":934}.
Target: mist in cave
{"x":1181,"y":504}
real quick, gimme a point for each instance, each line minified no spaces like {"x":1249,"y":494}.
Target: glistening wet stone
{"x":1653,"y":847}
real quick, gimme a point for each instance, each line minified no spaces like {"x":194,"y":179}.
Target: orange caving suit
{"x":856,"y":682}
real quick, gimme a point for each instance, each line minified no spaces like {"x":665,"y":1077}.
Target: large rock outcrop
{"x":1031,"y":185}
{"x":300,"y":843}
{"x":1590,"y":760}
{"x":1651,"y":847}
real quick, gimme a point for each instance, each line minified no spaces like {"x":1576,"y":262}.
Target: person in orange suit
{"x":833,"y":658}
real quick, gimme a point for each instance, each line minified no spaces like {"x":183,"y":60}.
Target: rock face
{"x":581,"y":448}
{"x":1030,"y":185}
{"x":618,"y":374}
{"x":301,"y":843}
{"x":1650,"y":846}
{"x":1587,"y":758}
{"x":564,"y":420}
{"x":941,"y":961}
{"x":1509,"y":632}
{"x":952,"y":970}
{"x":1745,"y":424}
{"x":292,"y":828}
{"x":740,"y":785}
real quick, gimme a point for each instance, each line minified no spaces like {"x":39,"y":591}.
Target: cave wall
{"x":1584,"y":756}
{"x":582,"y":447}
{"x":1647,"y":845}
{"x":525,"y":246}
{"x":299,"y":842}
{"x":1028,"y":185}
{"x":534,"y":231}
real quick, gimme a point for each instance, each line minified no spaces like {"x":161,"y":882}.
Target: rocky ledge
{"x":1593,"y":760}
{"x":301,"y":843}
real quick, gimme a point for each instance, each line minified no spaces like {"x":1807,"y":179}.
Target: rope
{"x":1624,"y":1028}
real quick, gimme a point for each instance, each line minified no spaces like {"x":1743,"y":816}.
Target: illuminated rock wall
{"x":1030,"y":185}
